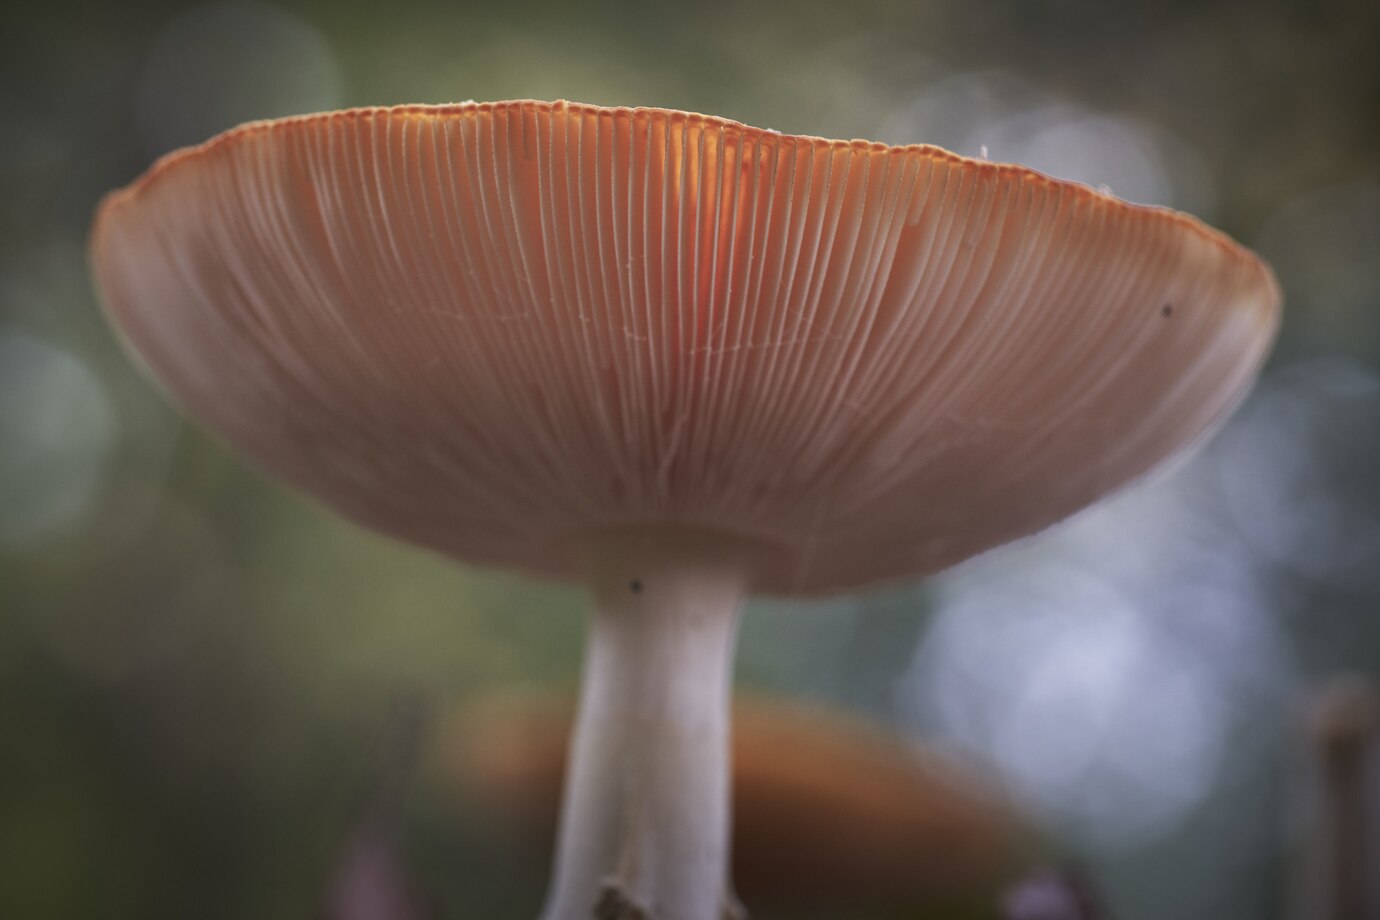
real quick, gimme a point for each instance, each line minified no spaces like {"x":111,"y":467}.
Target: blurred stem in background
{"x":1340,"y":875}
{"x":371,"y":880}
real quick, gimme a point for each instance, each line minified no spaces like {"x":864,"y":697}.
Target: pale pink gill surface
{"x":491,"y":329}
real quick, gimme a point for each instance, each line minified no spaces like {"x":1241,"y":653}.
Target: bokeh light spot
{"x":57,"y":431}
{"x":221,"y":64}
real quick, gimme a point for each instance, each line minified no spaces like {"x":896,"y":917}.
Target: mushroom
{"x":678,"y":359}
{"x":832,"y":815}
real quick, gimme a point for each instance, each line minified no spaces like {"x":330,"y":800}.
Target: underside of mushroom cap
{"x":493,"y":329}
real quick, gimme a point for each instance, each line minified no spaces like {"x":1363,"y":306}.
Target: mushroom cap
{"x":492,"y":329}
{"x":828,"y":811}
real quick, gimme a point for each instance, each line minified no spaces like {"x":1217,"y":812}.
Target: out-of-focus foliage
{"x":197,"y":668}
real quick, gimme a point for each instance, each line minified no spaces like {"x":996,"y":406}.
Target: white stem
{"x":645,"y":817}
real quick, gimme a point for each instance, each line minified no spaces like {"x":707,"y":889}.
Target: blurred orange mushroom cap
{"x":829,"y":811}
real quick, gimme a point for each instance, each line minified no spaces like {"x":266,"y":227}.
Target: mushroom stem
{"x":645,"y":818}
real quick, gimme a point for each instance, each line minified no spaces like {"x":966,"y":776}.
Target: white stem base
{"x":645,"y":818}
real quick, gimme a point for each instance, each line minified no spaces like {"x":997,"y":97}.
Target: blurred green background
{"x":198,"y":669}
